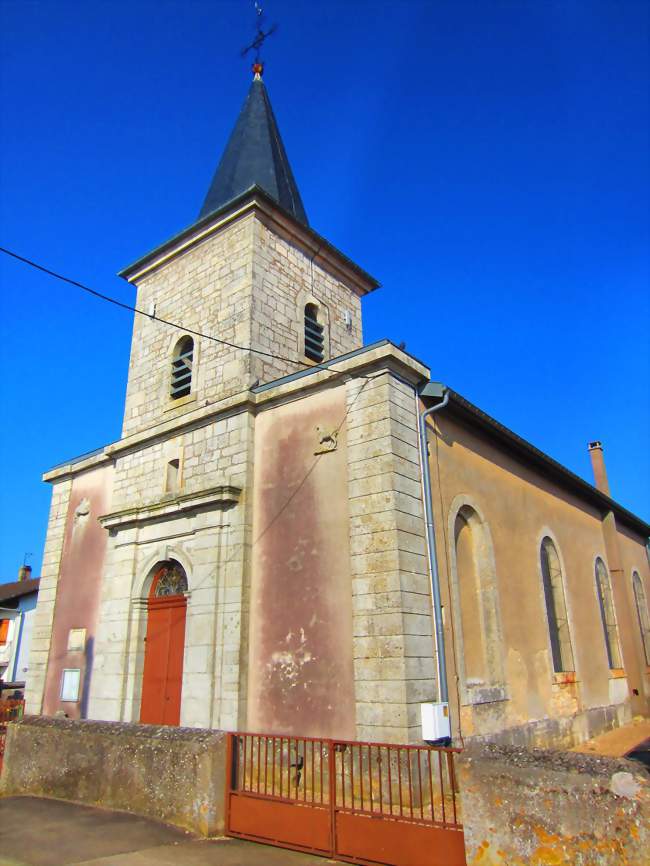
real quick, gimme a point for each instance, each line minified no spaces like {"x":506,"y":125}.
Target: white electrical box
{"x":435,"y":721}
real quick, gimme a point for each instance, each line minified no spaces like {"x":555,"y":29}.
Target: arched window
{"x":170,"y":579}
{"x":607,"y":615}
{"x":314,"y":340}
{"x":470,"y":599}
{"x":475,"y":600}
{"x":181,"y":383}
{"x":558,"y":622}
{"x":172,"y":476}
{"x":642,"y":612}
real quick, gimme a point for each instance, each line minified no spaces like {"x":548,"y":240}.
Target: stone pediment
{"x":184,"y":504}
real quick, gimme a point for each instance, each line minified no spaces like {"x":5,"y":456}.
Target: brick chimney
{"x":25,"y":572}
{"x":598,"y":466}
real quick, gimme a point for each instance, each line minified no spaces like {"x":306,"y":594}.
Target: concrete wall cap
{"x":549,"y":759}
{"x":89,"y":727}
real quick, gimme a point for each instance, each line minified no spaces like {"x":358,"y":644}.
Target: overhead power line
{"x":152,"y":316}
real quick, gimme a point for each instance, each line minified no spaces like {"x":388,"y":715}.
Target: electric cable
{"x":155,"y":318}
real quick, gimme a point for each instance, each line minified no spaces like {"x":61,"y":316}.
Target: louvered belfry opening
{"x":182,"y":368}
{"x":314,"y":341}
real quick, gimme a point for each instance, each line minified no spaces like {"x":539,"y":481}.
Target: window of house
{"x":607,"y":615}
{"x":314,"y":339}
{"x":556,"y":612}
{"x":181,"y":383}
{"x":4,"y":631}
{"x":642,"y":612}
{"x":70,"y":682}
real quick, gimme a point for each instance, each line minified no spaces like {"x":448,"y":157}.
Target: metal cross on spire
{"x":260,"y":36}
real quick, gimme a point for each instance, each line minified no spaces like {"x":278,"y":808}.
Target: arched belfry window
{"x":182,"y":361}
{"x":607,"y":615}
{"x":641,"y":601}
{"x":314,"y":339}
{"x":170,"y":579}
{"x":556,"y":612}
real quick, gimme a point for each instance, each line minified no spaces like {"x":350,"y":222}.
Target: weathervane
{"x":256,"y":44}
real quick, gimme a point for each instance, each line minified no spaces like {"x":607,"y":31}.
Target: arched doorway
{"x":165,"y":642}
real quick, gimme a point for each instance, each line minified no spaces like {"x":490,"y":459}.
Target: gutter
{"x":433,"y":389}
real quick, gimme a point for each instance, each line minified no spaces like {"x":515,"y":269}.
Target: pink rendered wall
{"x":300,"y":650}
{"x":78,"y":588}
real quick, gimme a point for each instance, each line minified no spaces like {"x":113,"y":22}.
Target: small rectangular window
{"x":70,"y":681}
{"x":4,"y":631}
{"x":76,"y":640}
{"x":172,"y":476}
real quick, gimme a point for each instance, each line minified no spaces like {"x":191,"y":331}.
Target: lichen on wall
{"x":542,"y":808}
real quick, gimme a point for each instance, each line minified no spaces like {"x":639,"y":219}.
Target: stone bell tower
{"x":249,"y":272}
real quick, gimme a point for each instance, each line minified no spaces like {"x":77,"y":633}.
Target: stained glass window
{"x":170,"y":580}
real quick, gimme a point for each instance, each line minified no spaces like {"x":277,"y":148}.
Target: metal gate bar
{"x":318,"y":795}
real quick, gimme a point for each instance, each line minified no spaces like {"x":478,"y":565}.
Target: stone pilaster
{"x":44,"y":615}
{"x":392,"y":613}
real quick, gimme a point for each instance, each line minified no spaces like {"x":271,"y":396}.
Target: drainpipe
{"x":433,"y":389}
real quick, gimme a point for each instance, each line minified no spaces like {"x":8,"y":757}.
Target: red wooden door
{"x":163,"y":661}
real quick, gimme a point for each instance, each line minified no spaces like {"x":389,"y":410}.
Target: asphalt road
{"x":40,"y":832}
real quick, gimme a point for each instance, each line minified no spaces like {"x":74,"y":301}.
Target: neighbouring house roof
{"x":17,"y":589}
{"x":255,"y":156}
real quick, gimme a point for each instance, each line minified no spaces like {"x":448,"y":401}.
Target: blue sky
{"x":487,"y":161}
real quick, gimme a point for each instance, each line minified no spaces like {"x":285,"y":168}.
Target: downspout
{"x":433,"y":390}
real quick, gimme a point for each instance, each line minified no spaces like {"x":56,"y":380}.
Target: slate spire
{"x":255,"y":156}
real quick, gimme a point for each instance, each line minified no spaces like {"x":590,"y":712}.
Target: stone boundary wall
{"x":542,"y":808}
{"x":560,"y":732}
{"x":176,"y":775}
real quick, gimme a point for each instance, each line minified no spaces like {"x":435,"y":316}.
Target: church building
{"x":298,"y":533}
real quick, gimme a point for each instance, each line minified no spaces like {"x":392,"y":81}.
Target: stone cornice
{"x":77,"y":465}
{"x":256,"y":201}
{"x":184,"y":504}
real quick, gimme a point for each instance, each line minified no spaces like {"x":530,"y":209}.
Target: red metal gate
{"x":367,"y":803}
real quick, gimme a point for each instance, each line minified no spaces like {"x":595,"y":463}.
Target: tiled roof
{"x":18,"y":588}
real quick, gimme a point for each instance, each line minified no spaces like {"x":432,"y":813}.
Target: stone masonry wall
{"x":245,"y":284}
{"x":542,"y":808}
{"x":392,"y":614}
{"x":206,"y":288}
{"x":44,"y":614}
{"x":172,"y":774}
{"x":210,"y":543}
{"x":208,"y":455}
{"x":284,"y":280}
